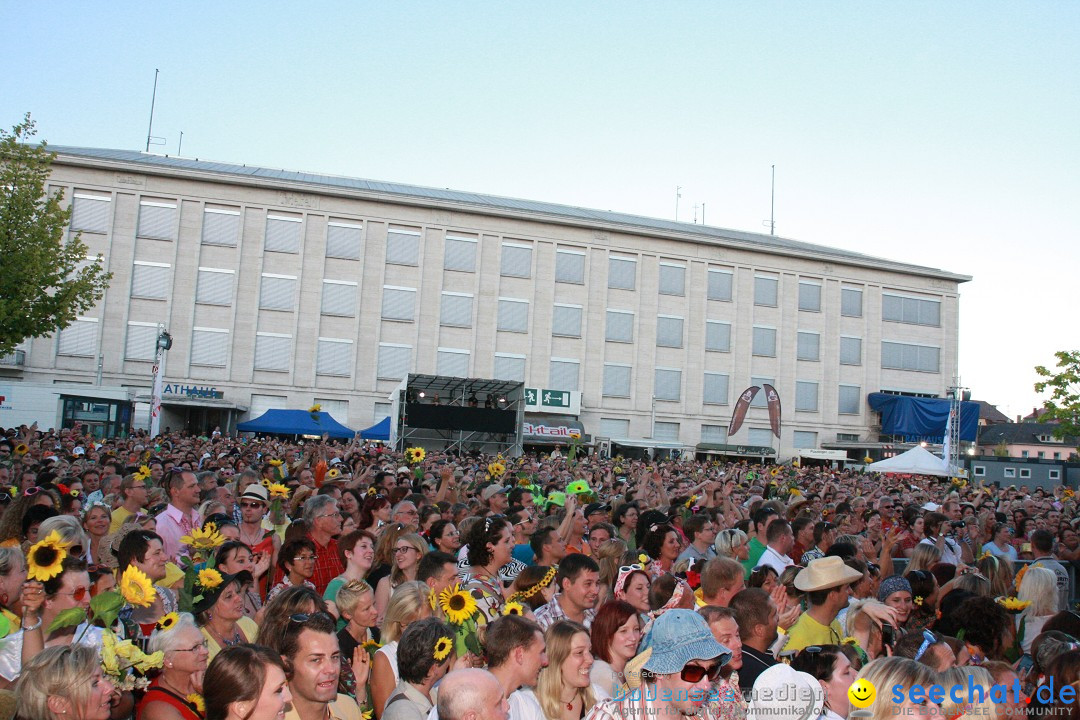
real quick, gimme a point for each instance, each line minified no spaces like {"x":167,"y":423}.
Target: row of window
{"x":1025,"y":473}
{"x":667,"y":431}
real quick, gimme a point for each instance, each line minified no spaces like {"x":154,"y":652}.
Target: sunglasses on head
{"x":694,"y":673}
{"x":301,"y":618}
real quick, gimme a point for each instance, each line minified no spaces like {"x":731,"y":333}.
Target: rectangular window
{"x":616,"y":380}
{"x":402,"y":246}
{"x":809,"y":346}
{"x":570,"y":266}
{"x":1023,"y":454}
{"x":1025,"y":473}
{"x":720,"y":282}
{"x":456,"y":309}
{"x":1041,"y":455}
{"x":1057,"y":456}
{"x":979,"y":471}
{"x":261,"y":403}
{"x":851,"y":302}
{"x":614,"y":428}
{"x":273,"y":351}
{"x":394,"y":361}
{"x":850,"y":351}
{"x":398,"y":303}
{"x":566,"y":320}
{"x":622,"y":273}
{"x":513,"y":315}
{"x":804,"y":440}
{"x":150,"y":280}
{"x":847,"y":437}
{"x":334,"y":357}
{"x":764,"y":341}
{"x":90,"y":212}
{"x":141,"y":341}
{"x":913,"y":311}
{"x":283,"y":233}
{"x":765,"y":290}
{"x":806,"y":396}
{"x":850,"y":400}
{"x":452,"y":362}
{"x":1009,"y":472}
{"x":666,"y":431}
{"x":343,"y":240}
{"x":759,"y":437}
{"x":80,"y":338}
{"x":337,"y":409}
{"x":714,"y":434}
{"x":157,"y":219}
{"x":901,"y":356}
{"x":516,"y":260}
{"x":669,"y":331}
{"x":1054,"y":475}
{"x":221,"y":226}
{"x":509,"y":367}
{"x":214,"y":286}
{"x":209,"y":346}
{"x":759,"y":399}
{"x":672,"y":279}
{"x":668,"y":384}
{"x":563,"y":374}
{"x":339,"y":298}
{"x":620,"y":326}
{"x":380,"y":410}
{"x":460,"y":253}
{"x":716,"y":389}
{"x":809,"y":297}
{"x":717,"y":336}
{"x":277,"y":292}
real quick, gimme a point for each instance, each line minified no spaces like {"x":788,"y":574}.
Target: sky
{"x":945,"y":134}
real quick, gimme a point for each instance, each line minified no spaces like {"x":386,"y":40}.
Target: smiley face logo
{"x":862,"y":693}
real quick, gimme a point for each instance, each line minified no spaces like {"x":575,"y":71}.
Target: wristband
{"x":35,"y":626}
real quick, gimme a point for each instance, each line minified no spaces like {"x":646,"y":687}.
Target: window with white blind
{"x":570,"y":266}
{"x":672,"y":279}
{"x":80,"y":338}
{"x":157,"y":219}
{"x":720,"y":282}
{"x":283,"y":233}
{"x":809,"y":296}
{"x":903,"y":356}
{"x":851,"y":302}
{"x":150,"y":280}
{"x":850,"y":400}
{"x":343,"y":239}
{"x":381,"y":410}
{"x":622,"y":273}
{"x":715,"y":389}
{"x":516,"y":260}
{"x":452,"y":362}
{"x":759,"y":437}
{"x":563,"y":374}
{"x":277,"y":292}
{"x":214,"y":286}
{"x":809,"y":345}
{"x":90,"y":212}
{"x":667,"y":384}
{"x":804,"y":440}
{"x":759,"y":399}
{"x":617,"y":380}
{"x":806,"y":396}
{"x":566,"y":320}
{"x":209,"y":346}
{"x":666,"y":431}
{"x":717,"y":336}
{"x":221,"y":226}
{"x":394,"y":361}
{"x":764,"y":341}
{"x":337,"y":409}
{"x":339,"y":298}
{"x":141,"y":342}
{"x":614,"y":428}
{"x":850,"y":351}
{"x":713,"y":434}
{"x":273,"y":351}
{"x":620,"y":326}
{"x":513,"y":315}
{"x":398,"y":303}
{"x":909,"y":310}
{"x":509,"y":367}
{"x":459,"y":253}
{"x":334,"y":357}
{"x":765,"y":290}
{"x":456,"y":309}
{"x":261,"y":403}
{"x":402,"y":246}
{"x":669,"y":331}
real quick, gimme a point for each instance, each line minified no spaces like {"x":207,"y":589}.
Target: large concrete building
{"x":282,"y":289}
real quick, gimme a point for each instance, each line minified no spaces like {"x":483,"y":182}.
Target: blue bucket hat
{"x":679,"y":636}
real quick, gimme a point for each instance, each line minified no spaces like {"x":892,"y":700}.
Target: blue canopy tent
{"x":378,"y":431}
{"x":296,"y":422}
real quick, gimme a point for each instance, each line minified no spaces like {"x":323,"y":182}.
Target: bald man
{"x":472,"y":694}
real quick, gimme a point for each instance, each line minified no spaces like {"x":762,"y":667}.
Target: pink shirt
{"x":172,"y":525}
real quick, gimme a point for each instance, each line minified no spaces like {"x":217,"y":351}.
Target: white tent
{"x":916,"y":461}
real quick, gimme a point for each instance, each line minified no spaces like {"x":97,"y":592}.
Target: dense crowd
{"x":183,"y":577}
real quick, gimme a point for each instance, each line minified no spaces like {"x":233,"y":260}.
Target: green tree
{"x":42,"y":287}
{"x":1064,"y":387}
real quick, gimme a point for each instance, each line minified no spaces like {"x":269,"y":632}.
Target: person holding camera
{"x":944,"y":536}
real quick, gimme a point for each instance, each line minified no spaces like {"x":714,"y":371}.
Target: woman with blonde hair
{"x":609,"y":558}
{"x":64,"y":683}
{"x":999,"y":571}
{"x":1039,"y":587}
{"x":732,"y":543}
{"x":896,"y":672}
{"x":408,"y":550}
{"x":408,"y":604}
{"x":972,"y":702}
{"x":564,"y":690}
{"x":923,"y":557}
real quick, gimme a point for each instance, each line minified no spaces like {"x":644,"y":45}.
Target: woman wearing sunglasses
{"x":186,"y":656}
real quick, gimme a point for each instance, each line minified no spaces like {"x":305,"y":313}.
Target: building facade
{"x":283,"y":289}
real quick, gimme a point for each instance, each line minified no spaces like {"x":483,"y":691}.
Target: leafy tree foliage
{"x":42,"y":287}
{"x":1064,"y":387}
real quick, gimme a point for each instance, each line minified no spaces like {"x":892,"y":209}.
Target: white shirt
{"x":774,"y":560}
{"x":950,"y":553}
{"x":525,"y":706}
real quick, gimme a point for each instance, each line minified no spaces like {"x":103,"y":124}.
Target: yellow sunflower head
{"x":513,"y":608}
{"x":205,"y":538}
{"x":209,"y":578}
{"x":442,"y":648}
{"x":315,"y":408}
{"x":168,"y":622}
{"x":333,"y":474}
{"x":196,"y":701}
{"x":496,"y":469}
{"x":457,"y":604}
{"x":278,"y":491}
{"x":136,"y":587}
{"x":46,"y":557}
{"x":21,"y":449}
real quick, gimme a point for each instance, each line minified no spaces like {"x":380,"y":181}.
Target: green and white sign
{"x":562,"y":402}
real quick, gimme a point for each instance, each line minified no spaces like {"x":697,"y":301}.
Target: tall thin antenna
{"x":181,"y":144}
{"x":678,"y":194}
{"x":772,"y":204}
{"x":702,"y":213}
{"x":153,"y":99}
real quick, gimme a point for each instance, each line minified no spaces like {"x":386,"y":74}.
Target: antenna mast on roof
{"x":149,"y":131}
{"x":678,"y":194}
{"x":772,"y":204}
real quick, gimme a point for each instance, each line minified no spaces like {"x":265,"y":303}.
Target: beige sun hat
{"x":824,"y":573}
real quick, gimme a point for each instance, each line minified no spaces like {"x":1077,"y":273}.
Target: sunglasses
{"x":78,"y":594}
{"x":694,"y":673}
{"x":31,"y":491}
{"x":631,"y":568}
{"x":257,"y":505}
{"x":301,"y":618}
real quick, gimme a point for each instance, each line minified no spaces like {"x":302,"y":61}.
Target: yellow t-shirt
{"x":807,"y":631}
{"x":247,"y":627}
{"x":119,"y":515}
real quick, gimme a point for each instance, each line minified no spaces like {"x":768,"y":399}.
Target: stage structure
{"x":458,"y":414}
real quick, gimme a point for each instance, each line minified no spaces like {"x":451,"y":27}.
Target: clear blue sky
{"x":942,"y":133}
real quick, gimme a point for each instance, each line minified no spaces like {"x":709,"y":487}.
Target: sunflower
{"x":690,"y":502}
{"x":195,"y":700}
{"x":368,"y":714}
{"x":458,"y":604}
{"x":142,"y":473}
{"x":371,"y":645}
{"x":168,"y":622}
{"x":513,"y":608}
{"x":1012,"y":604}
{"x":45,"y":558}
{"x":278,"y":491}
{"x":575,"y":435}
{"x":209,"y":578}
{"x":315,"y":408}
{"x":205,"y":538}
{"x":868,"y":459}
{"x":1068,"y":493}
{"x":266,"y":484}
{"x":21,"y":449}
{"x":136,"y":587}
{"x":1020,"y":577}
{"x":918,"y":600}
{"x":372,"y":492}
{"x":443,"y":646}
{"x":333,"y":474}
{"x":415,"y":455}
{"x":496,"y":469}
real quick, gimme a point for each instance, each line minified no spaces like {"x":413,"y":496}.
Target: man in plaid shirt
{"x":578,"y":582}
{"x":323,"y":520}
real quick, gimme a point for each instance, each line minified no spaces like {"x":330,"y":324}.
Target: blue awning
{"x":296,"y":422}
{"x":378,"y":431}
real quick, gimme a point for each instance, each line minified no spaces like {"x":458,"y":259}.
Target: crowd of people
{"x":185,"y":577}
